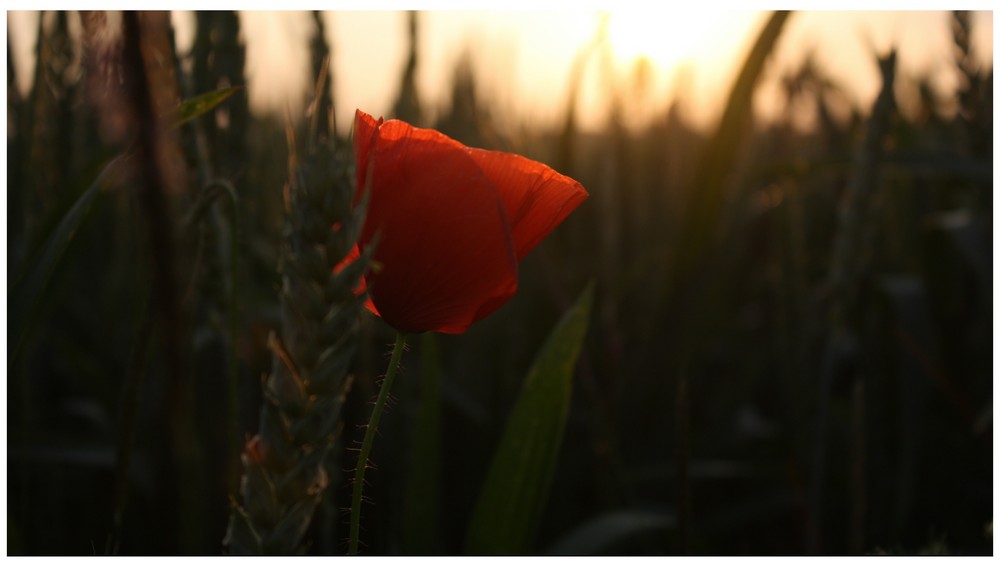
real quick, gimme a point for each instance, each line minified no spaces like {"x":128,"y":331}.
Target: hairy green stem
{"x":366,"y":445}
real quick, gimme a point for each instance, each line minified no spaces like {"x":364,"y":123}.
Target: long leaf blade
{"x":26,"y":293}
{"x":519,"y":478}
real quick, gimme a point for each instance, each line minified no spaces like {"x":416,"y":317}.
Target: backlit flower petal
{"x":444,"y":245}
{"x":537,"y":198}
{"x":449,"y":222}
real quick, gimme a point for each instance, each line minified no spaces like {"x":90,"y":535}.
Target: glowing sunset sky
{"x":522,"y":58}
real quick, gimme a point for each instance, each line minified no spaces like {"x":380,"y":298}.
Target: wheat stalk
{"x":285,"y":465}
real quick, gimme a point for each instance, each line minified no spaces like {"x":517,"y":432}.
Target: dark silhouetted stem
{"x":858,"y":512}
{"x":847,"y":263}
{"x":154,"y":204}
{"x":683,"y":484}
{"x":126,"y":436}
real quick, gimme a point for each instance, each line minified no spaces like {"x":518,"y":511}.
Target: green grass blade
{"x":196,"y":106}
{"x":421,"y":511}
{"x":699,"y":228}
{"x":517,"y":484}
{"x":25,"y":295}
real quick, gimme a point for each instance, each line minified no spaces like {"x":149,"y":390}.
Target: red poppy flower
{"x":452,"y":223}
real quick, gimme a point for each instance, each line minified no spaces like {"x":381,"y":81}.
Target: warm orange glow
{"x":666,"y":40}
{"x":523,"y":58}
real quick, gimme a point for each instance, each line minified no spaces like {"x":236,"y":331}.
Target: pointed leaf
{"x":196,"y":106}
{"x":517,"y":485}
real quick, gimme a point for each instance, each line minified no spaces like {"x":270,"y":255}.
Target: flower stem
{"x":366,"y":445}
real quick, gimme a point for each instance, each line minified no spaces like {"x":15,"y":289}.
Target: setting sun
{"x":665,"y":40}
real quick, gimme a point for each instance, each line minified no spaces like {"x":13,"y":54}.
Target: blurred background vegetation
{"x":790,"y":349}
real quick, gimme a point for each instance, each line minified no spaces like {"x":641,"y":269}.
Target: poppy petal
{"x":445,"y":244}
{"x":365,"y":127}
{"x":537,"y":198}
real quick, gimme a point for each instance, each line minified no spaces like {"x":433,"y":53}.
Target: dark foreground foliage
{"x":790,"y":349}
